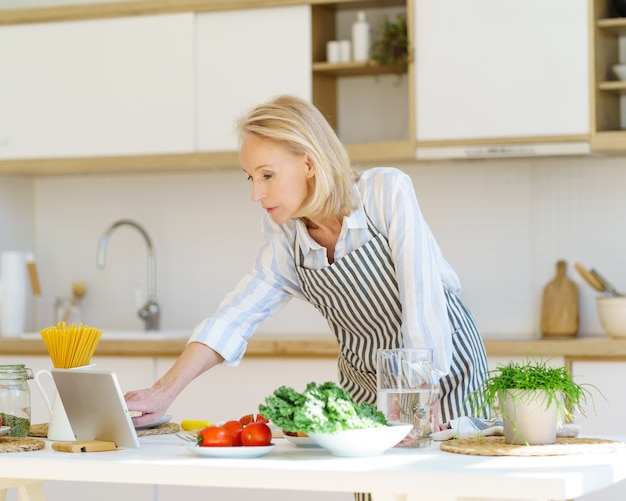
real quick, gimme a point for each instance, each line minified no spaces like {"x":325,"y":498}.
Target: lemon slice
{"x":190,"y":424}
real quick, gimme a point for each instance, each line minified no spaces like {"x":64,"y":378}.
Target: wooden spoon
{"x":589,"y":278}
{"x":606,"y":285}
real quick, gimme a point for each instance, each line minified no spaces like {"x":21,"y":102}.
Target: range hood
{"x":502,"y":150}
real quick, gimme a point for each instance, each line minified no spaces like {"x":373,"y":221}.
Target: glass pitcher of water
{"x":407,"y":387}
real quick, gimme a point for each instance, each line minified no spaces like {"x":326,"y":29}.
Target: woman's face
{"x":281,"y":181}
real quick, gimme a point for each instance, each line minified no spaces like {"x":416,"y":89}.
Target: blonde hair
{"x":300,"y":128}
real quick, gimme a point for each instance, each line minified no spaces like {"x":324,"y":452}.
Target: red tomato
{"x":256,"y":434}
{"x":251,"y":418}
{"x":215,"y":436}
{"x":234,"y":428}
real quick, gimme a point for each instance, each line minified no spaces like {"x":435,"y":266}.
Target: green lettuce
{"x":324,"y":408}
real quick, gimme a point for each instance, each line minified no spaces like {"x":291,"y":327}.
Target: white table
{"x":398,"y":475}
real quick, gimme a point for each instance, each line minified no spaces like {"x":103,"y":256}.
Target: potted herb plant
{"x":393,"y":46}
{"x":532,"y":398}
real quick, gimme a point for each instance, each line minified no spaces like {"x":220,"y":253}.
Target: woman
{"x":354,"y":245}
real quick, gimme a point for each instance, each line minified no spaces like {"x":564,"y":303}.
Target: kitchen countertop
{"x":412,"y":474}
{"x":323,"y":346}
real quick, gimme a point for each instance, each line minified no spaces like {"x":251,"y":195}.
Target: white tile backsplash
{"x":503,"y":224}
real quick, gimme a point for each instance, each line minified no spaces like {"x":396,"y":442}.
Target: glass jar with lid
{"x":15,"y":398}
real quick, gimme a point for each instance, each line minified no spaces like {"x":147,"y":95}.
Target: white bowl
{"x":620,"y":70}
{"x":612,"y":314}
{"x":364,"y":442}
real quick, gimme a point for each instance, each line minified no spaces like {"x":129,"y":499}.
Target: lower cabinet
{"x":229,"y":392}
{"x":605,"y":415}
{"x":605,"y":412}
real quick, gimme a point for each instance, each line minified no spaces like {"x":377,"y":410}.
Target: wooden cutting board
{"x":559,"y":309}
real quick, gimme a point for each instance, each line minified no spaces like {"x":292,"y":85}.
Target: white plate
{"x":158,"y":422}
{"x":4,"y":430}
{"x":301,"y":441}
{"x":244,"y":451}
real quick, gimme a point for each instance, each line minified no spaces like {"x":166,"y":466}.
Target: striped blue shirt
{"x":388,"y":198}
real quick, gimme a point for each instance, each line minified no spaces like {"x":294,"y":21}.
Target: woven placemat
{"x":163,"y":429}
{"x":495,"y":446}
{"x":20,"y":444}
{"x":38,"y":430}
{"x":41,"y":430}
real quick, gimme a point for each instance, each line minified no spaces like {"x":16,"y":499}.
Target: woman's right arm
{"x":152,"y":402}
{"x":260,"y":294}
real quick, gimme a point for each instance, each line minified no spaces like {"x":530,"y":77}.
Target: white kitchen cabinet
{"x":99,"y":87}
{"x":606,"y":412}
{"x":245,"y":57}
{"x":227,"y":392}
{"x":490,"y":70}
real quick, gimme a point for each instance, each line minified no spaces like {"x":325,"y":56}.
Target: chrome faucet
{"x":150,"y":312}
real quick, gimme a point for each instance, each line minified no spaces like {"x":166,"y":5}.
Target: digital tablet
{"x":95,"y":406}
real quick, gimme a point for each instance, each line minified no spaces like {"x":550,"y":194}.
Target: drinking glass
{"x":407,"y":390}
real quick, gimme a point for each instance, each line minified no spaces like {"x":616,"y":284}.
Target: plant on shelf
{"x":532,"y":398}
{"x":393,"y":45}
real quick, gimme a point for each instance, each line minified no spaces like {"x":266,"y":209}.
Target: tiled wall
{"x":502,"y":224}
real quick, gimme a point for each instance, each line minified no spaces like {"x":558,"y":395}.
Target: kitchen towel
{"x":471,"y":427}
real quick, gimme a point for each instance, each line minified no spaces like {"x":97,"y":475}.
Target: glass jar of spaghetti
{"x":15,"y":399}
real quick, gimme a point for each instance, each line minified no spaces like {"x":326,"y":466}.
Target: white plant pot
{"x":529,"y":418}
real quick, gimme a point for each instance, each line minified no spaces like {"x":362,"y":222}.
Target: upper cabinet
{"x":98,"y":87}
{"x":159,"y":86}
{"x":501,"y":72}
{"x":608,"y":96}
{"x":243,"y":58}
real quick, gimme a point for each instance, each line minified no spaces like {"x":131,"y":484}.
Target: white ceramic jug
{"x":59,"y":428}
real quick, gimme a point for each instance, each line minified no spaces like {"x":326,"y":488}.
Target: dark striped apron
{"x":359,"y":297}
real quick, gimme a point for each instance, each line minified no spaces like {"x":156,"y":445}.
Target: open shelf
{"x":607,"y":110}
{"x":358,"y":69}
{"x":338,"y":87}
{"x":614,"y":25}
{"x":617,"y":86}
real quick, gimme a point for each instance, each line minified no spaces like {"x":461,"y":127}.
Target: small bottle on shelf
{"x":361,"y":38}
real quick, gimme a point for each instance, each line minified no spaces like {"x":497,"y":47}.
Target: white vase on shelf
{"x":361,"y":41}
